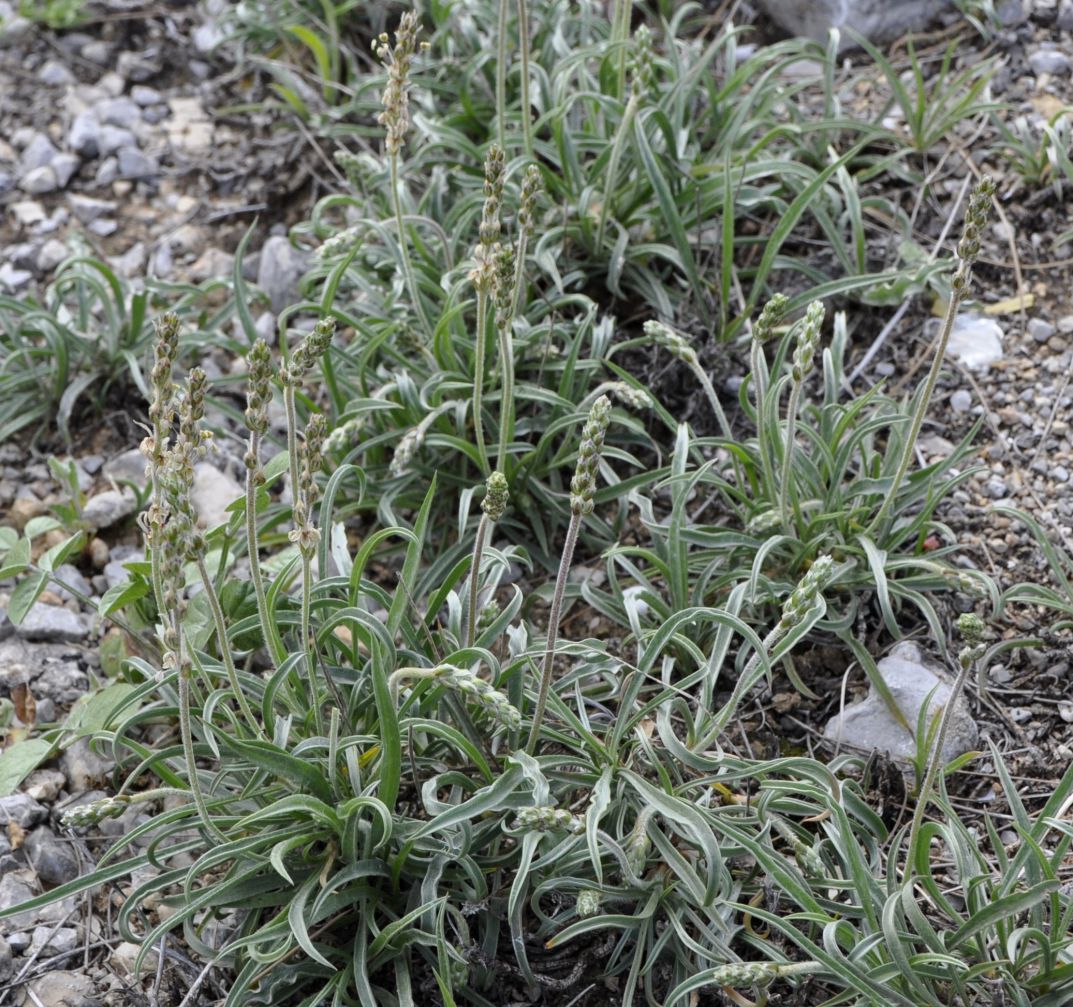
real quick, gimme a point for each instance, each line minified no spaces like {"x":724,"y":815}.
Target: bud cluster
{"x":745,"y":974}
{"x":630,"y":395}
{"x":971,"y":627}
{"x":496,"y":496}
{"x":162,"y":404}
{"x":804,"y":596}
{"x":397,"y":61}
{"x":673,"y":342}
{"x":85,"y":815}
{"x":588,"y":902}
{"x":638,"y":845}
{"x":481,"y":694}
{"x":548,"y":819}
{"x":641,"y":71}
{"x":583,"y":484}
{"x":770,"y":317}
{"x":808,"y":341}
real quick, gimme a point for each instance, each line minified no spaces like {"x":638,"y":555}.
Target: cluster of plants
{"x":401,"y":775}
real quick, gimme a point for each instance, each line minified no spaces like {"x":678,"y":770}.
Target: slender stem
{"x":268,"y":628}
{"x":186,"y":731}
{"x":292,"y":438}
{"x":506,"y":398}
{"x":921,"y":408}
{"x":553,"y":631}
{"x":713,"y":399}
{"x":154,"y":548}
{"x":612,"y":164}
{"x":478,"y":377}
{"x":784,"y":483}
{"x":474,"y":579}
{"x":404,"y":251}
{"x":307,"y":640}
{"x":519,"y":272}
{"x":523,"y":46}
{"x":501,"y":77}
{"x":934,"y":762}
{"x":225,"y":649}
{"x":756,"y":370}
{"x":620,"y":30}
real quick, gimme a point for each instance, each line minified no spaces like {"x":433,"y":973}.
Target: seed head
{"x":630,"y":395}
{"x":494,"y":163}
{"x":496,"y":496}
{"x":808,"y":340}
{"x":309,"y":351}
{"x":397,"y":61}
{"x":583,"y":485}
{"x":532,"y":185}
{"x":258,"y":388}
{"x":770,"y":317}
{"x":641,"y":74}
{"x":89,"y":814}
{"x":548,"y":819}
{"x":503,"y":284}
{"x":745,"y":974}
{"x":976,"y":218}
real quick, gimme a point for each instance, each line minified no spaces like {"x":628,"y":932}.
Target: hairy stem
{"x":404,"y":250}
{"x":506,"y":400}
{"x":225,"y":649}
{"x":553,"y":632}
{"x":474,"y":579}
{"x":501,"y":76}
{"x":478,"y":377}
{"x":269,"y":631}
{"x":187,"y":733}
{"x":921,"y":410}
{"x":523,"y":46}
{"x":784,"y":483}
{"x":307,"y":640}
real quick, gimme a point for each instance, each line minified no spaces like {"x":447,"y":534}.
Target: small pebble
{"x":961,"y":401}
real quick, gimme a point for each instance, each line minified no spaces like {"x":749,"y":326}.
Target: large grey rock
{"x":878,"y":20}
{"x":109,"y":508}
{"x":73,"y":578}
{"x":870,"y":726}
{"x":53,"y":624}
{"x":39,"y":181}
{"x":15,"y":888}
{"x":83,"y":767}
{"x":121,"y":111}
{"x":281,"y":267}
{"x":53,"y":860}
{"x":134,"y":164}
{"x":49,"y":941}
{"x":84,"y":136}
{"x":60,"y":989}
{"x":214,"y":491}
{"x":7,"y":964}
{"x":38,"y":153}
{"x":21,"y":809}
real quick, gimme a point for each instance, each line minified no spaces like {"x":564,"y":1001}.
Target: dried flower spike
{"x":583,"y":484}
{"x":397,"y":61}
{"x":673,"y":342}
{"x":494,"y":164}
{"x":309,"y":351}
{"x":532,"y":185}
{"x":481,"y":694}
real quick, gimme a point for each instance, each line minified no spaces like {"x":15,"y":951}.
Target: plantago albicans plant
{"x":804,"y":355}
{"x":493,"y":506}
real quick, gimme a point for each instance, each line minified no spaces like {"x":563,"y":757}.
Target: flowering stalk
{"x":967,"y":250}
{"x":85,"y":815}
{"x":292,"y":374}
{"x":678,"y":346}
{"x":582,"y":503}
{"x":795,"y":610}
{"x":155,"y":446}
{"x":763,"y":330}
{"x":258,"y":396}
{"x":523,"y":51}
{"x":395,"y":117}
{"x":504,"y":321}
{"x":306,"y":536}
{"x":483,"y":276}
{"x":971,"y":628}
{"x":808,"y":341}
{"x":464,"y":682}
{"x":527,"y":199}
{"x":496,"y":497}
{"x":759,"y":973}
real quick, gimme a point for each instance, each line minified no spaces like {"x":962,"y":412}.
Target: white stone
{"x":870,"y":726}
{"x":214,"y":491}
{"x":975,"y":342}
{"x":878,"y":20}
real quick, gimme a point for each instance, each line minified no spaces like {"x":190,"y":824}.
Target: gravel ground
{"x":110,"y":142}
